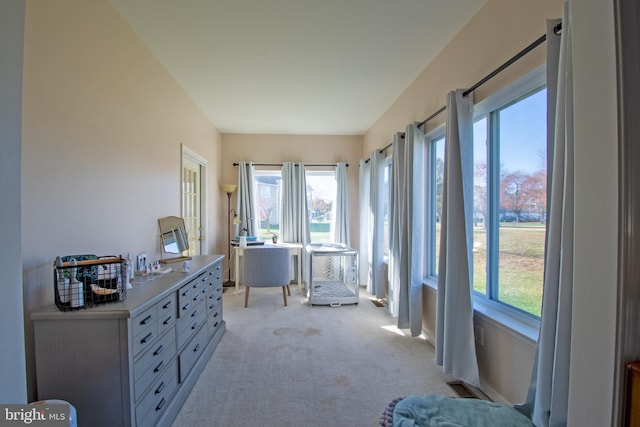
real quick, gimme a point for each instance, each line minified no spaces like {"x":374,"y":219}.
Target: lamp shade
{"x":228,"y":188}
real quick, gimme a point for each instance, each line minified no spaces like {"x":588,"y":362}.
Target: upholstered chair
{"x":266,"y":266}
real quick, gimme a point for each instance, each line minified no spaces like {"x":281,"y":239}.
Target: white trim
{"x":536,"y":79}
{"x":188,"y":153}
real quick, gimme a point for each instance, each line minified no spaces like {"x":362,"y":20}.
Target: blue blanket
{"x":442,"y":411}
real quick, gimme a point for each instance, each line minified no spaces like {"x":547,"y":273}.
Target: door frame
{"x":188,"y":153}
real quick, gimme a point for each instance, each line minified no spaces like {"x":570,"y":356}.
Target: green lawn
{"x":521,"y":263}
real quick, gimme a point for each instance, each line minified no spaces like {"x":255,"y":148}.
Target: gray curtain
{"x":246,"y":204}
{"x":407,"y":232}
{"x":547,"y":399}
{"x":341,"y":222}
{"x":295,"y":217}
{"x":375,"y":226}
{"x":363,"y":223}
{"x":455,"y":344}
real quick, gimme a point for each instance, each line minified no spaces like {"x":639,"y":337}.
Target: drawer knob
{"x":159,"y":367}
{"x":196,"y":348}
{"x":196,"y":298}
{"x":195,"y":313}
{"x":186,"y":306}
{"x":147,"y":338}
{"x":168,"y":320}
{"x":186,"y":292}
{"x":194,"y":326}
{"x":160,"y":405}
{"x":146,"y":320}
{"x":158,"y":350}
{"x":168,"y":304}
{"x":160,"y":388}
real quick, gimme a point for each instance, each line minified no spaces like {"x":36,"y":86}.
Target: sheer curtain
{"x":455,"y":344}
{"x":341,"y":223}
{"x":375,"y":226}
{"x":246,"y":205}
{"x":363,"y":223}
{"x":295,"y":219}
{"x":407,"y":233}
{"x":547,"y":399}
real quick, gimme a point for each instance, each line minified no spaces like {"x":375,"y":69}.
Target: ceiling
{"x":329,"y":67}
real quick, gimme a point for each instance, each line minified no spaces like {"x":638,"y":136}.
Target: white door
{"x":193,"y":172}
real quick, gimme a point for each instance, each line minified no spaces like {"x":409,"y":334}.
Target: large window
{"x":268,"y":191}
{"x":386,"y":194}
{"x":321,"y":197}
{"x":510,"y":202}
{"x":435,"y":180}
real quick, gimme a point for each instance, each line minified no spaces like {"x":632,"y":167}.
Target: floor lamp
{"x":229,"y":189}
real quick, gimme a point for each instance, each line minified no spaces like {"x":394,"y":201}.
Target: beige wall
{"x":310,"y":149}
{"x":102,"y":127}
{"x":497,"y":32}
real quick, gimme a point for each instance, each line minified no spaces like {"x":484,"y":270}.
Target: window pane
{"x":386,"y":197}
{"x":268,"y":187}
{"x":480,"y":205}
{"x":437,"y":188}
{"x":321,"y":196}
{"x":522,"y":202}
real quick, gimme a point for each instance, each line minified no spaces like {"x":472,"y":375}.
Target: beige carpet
{"x":308,"y":366}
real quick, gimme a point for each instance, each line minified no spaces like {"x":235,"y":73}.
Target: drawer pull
{"x":212,"y":306}
{"x":215,"y":324}
{"x":168,"y":320}
{"x":158,"y":350}
{"x":195,"y":313}
{"x":160,"y":405}
{"x":159,"y":367}
{"x":196,"y":285}
{"x":146,"y":320}
{"x":186,"y":306}
{"x":215,"y":314}
{"x":219,"y":298}
{"x":196,"y":348}
{"x":160,"y":388}
{"x":147,"y":338}
{"x":194,"y":326}
{"x":196,"y":298}
{"x":186,"y":292}
{"x":168,"y":304}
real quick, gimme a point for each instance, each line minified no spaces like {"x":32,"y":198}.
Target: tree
{"x":513,"y":191}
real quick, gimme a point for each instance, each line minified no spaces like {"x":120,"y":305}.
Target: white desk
{"x":294,"y":248}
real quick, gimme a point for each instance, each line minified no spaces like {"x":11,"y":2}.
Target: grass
{"x":520,"y":265}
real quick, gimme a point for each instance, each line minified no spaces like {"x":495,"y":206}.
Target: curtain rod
{"x":557,"y":30}
{"x":306,"y":164}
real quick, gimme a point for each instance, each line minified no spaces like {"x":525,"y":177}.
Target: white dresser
{"x":133,"y":363}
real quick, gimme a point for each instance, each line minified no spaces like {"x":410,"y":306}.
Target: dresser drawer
{"x":152,"y":363}
{"x":213,"y":323}
{"x":192,"y":352}
{"x":167,"y":313}
{"x":190,"y":323}
{"x":144,"y":329}
{"x":214,"y":299}
{"x":155,"y":402}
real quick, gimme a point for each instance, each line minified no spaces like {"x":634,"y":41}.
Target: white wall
{"x":103,"y":124}
{"x":13,"y":387}
{"x":596,"y":191}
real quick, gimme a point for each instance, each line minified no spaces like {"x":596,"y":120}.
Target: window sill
{"x":509,"y":320}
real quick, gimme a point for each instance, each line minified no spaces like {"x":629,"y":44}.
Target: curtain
{"x":246,"y":205}
{"x":375,"y":226}
{"x":407,"y":232}
{"x":341,"y":222}
{"x":363,"y":223}
{"x":455,"y":344}
{"x":295,"y":217}
{"x":547,"y":398}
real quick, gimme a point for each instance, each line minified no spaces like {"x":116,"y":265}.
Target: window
{"x":386,"y":197}
{"x":435,"y":180}
{"x":321,"y":197}
{"x":268,"y":191}
{"x":510,"y":202}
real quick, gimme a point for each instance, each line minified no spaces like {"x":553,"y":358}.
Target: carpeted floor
{"x":308,"y":366}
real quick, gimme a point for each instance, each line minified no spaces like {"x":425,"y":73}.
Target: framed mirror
{"x":173,"y":238}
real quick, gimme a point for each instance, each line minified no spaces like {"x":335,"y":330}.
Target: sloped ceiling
{"x":325,"y":67}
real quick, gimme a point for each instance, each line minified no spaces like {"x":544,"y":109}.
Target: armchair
{"x":266,"y":266}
